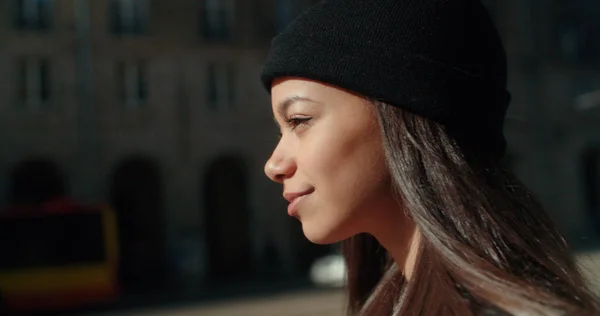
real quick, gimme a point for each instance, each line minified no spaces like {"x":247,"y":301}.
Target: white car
{"x":329,"y":271}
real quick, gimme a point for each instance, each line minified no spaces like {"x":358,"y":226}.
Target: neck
{"x":403,"y":245}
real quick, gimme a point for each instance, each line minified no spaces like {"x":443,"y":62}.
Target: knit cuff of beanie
{"x":423,"y":86}
{"x":442,"y":60}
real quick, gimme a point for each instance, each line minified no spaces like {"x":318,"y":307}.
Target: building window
{"x":33,"y":82}
{"x":285,"y":13}
{"x":129,"y":17}
{"x":132,"y":82}
{"x":33,"y":14}
{"x":221,"y":86}
{"x":580,"y":31}
{"x":217,"y":19}
{"x":590,"y":99}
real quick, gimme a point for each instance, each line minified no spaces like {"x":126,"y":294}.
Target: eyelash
{"x":294,"y":122}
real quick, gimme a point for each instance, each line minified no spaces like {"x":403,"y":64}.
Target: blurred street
{"x":305,"y":303}
{"x":308,"y":302}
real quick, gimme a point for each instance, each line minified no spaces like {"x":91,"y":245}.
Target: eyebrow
{"x":285,"y":104}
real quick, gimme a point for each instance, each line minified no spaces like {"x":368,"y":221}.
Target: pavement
{"x":306,"y":302}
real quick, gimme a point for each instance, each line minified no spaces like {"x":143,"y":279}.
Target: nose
{"x":280,"y":166}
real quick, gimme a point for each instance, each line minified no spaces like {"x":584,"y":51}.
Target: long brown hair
{"x":487,"y":247}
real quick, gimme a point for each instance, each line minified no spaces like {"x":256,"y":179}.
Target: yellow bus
{"x":57,"y":256}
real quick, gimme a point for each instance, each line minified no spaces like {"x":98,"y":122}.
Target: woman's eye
{"x":294,"y":122}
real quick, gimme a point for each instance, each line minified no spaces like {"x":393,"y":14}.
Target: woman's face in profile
{"x":329,"y":159}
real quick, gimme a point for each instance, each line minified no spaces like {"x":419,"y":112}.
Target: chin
{"x":320,"y":234}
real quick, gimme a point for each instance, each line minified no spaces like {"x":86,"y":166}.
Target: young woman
{"x":391,"y":115}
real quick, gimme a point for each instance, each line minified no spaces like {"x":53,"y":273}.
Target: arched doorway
{"x":227,"y":220}
{"x":591,"y":184}
{"x":137,"y":196}
{"x":35,"y":181}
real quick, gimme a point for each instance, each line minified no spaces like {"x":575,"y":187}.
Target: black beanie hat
{"x":441,"y":59}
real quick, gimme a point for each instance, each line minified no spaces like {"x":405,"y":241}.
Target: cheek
{"x":360,"y":185}
{"x":350,"y":176}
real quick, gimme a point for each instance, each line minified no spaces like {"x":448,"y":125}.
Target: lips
{"x":295,"y":198}
{"x":291,"y":196}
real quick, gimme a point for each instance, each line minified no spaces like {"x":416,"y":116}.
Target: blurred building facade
{"x":155,"y":108}
{"x":553,"y":124}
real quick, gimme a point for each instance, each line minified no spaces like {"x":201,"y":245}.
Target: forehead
{"x":321,"y":97}
{"x":288,"y":91}
{"x":287,"y":87}
{"x":282,"y":87}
